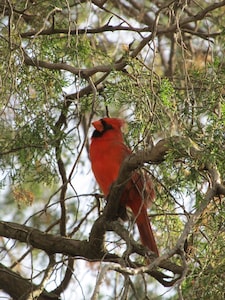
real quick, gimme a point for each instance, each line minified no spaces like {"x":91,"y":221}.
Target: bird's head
{"x":107,"y":124}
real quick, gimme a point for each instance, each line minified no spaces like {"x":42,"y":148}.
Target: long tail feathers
{"x":145,"y":229}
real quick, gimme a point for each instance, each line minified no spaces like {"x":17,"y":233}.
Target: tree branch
{"x":81,"y":31}
{"x":18,"y":287}
{"x":83,"y":73}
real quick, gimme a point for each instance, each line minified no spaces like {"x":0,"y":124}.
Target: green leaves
{"x":167,"y":93}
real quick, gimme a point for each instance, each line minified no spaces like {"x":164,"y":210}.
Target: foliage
{"x":159,"y":65}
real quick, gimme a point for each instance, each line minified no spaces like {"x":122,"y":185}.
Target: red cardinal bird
{"x":107,"y":152}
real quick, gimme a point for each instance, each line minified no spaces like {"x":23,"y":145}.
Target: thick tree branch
{"x":51,"y":244}
{"x":88,"y":250}
{"x":21,"y":286}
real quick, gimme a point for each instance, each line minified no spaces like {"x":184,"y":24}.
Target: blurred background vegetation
{"x":158,"y":64}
